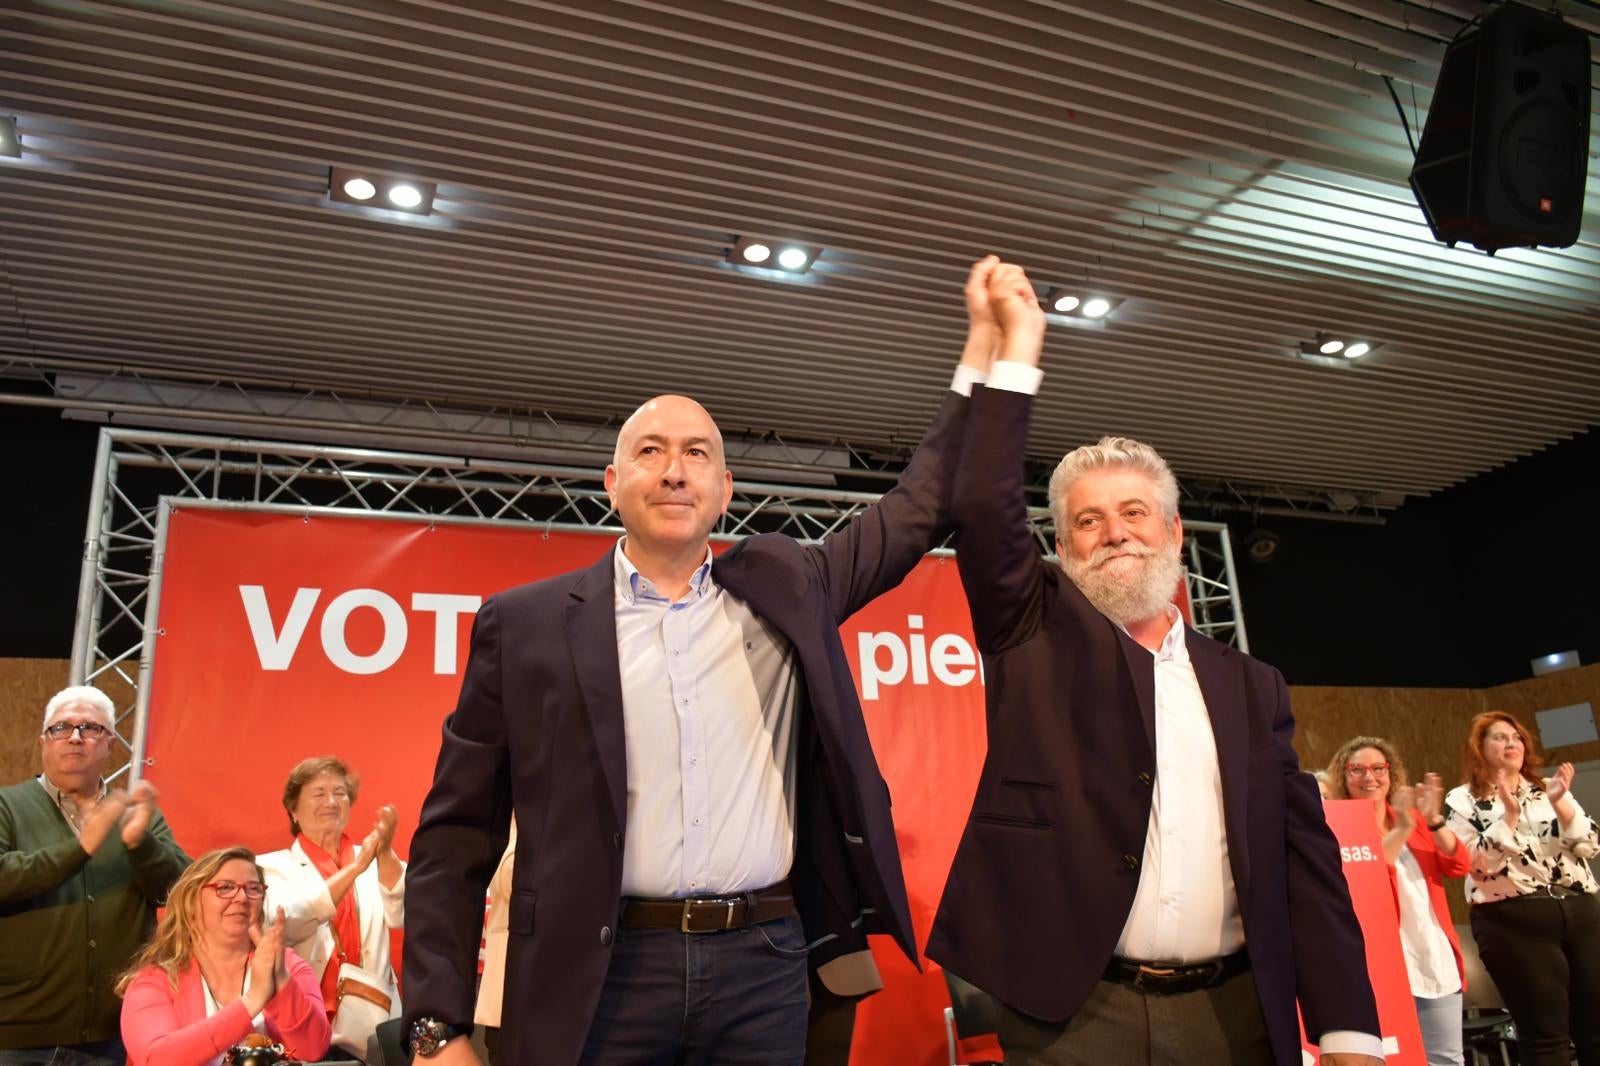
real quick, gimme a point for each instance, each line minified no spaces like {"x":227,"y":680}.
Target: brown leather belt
{"x":1171,"y":979}
{"x":710,"y":914}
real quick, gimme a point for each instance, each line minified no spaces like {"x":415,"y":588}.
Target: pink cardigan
{"x":163,"y":1029}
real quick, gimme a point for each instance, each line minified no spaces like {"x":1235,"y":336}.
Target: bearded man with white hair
{"x":1146,"y":875}
{"x":82,"y":869}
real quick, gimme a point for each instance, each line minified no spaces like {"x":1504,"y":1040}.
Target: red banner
{"x":1361,"y":848}
{"x":284,"y":636}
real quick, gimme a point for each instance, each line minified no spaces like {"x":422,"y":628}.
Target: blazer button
{"x":616,"y":841}
{"x":1131,"y":861}
{"x":605,"y":935}
{"x":1146,"y":780}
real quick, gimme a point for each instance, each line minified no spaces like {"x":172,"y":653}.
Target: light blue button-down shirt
{"x":709,"y":698}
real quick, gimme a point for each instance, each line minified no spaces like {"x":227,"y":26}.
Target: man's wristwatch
{"x":428,"y":1035}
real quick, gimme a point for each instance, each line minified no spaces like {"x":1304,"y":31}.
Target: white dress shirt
{"x":1186,"y":908}
{"x":709,"y":696}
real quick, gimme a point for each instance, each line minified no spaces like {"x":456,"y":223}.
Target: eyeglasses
{"x":1377,"y":769}
{"x":86,"y":730}
{"x":229,"y":889}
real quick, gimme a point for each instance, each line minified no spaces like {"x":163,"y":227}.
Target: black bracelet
{"x":1433,"y":828}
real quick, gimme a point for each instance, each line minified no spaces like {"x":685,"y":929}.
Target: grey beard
{"x":1127,"y":602}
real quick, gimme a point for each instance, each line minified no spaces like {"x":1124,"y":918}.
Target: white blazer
{"x":496,"y":931}
{"x":294,"y":884}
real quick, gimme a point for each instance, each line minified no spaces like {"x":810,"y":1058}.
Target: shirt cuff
{"x":1014,"y":377}
{"x":965,"y":378}
{"x":1349,"y":1042}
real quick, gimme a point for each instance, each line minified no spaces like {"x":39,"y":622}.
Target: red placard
{"x":1361,"y":848}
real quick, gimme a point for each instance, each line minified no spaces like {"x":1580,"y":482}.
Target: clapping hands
{"x":268,"y":969}
{"x":1560,"y":784}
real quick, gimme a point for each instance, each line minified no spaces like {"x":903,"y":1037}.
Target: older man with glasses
{"x":82,"y":869}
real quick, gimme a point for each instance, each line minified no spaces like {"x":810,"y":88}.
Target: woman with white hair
{"x":341,"y":898}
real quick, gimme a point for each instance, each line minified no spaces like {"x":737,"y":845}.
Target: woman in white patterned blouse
{"x":1535,"y":913}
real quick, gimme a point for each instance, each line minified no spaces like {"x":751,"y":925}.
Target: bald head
{"x":665,"y":416}
{"x":667,"y":479}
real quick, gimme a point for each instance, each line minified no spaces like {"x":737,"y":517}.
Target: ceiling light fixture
{"x":756,"y":252}
{"x":1326,"y":349}
{"x":1076,"y":306}
{"x":374,"y":190}
{"x":10,"y":143}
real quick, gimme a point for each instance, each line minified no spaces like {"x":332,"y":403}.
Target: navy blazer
{"x":538,"y":728}
{"x":1044,"y":878}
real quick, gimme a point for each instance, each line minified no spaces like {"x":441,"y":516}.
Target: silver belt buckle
{"x":683,"y":924}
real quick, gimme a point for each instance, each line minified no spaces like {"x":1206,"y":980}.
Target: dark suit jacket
{"x":538,"y":729}
{"x":1045,"y":875}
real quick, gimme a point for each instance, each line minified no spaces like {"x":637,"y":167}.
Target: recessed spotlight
{"x":374,"y":190}
{"x":757,"y":252}
{"x":406,"y":196}
{"x":1096,"y":307}
{"x":1327,"y":350}
{"x":1065,"y":303}
{"x":10,"y":144}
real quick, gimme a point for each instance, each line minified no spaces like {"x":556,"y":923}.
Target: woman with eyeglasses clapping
{"x":1421,"y":851}
{"x":212,"y":975}
{"x":1534,"y":911}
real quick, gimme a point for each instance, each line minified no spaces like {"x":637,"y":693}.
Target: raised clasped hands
{"x":1004,"y":320}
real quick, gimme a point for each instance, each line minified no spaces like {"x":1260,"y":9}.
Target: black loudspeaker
{"x":1504,"y":152}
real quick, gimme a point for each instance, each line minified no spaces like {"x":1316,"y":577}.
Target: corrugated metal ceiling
{"x":1234,"y":172}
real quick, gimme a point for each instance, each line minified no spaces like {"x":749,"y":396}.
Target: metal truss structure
{"x":524,"y":433}
{"x":141,"y":475}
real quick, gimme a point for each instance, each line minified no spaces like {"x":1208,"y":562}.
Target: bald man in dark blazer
{"x":699,"y":811}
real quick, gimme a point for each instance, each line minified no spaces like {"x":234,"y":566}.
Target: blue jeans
{"x":1440,"y":1020}
{"x":736,"y":998}
{"x":102,"y":1053}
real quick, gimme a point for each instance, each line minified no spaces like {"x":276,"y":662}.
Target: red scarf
{"x":346,"y":922}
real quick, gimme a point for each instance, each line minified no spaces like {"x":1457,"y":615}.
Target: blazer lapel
{"x":1141,"y":667}
{"x":1220,"y":672}
{"x":592,"y":636}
